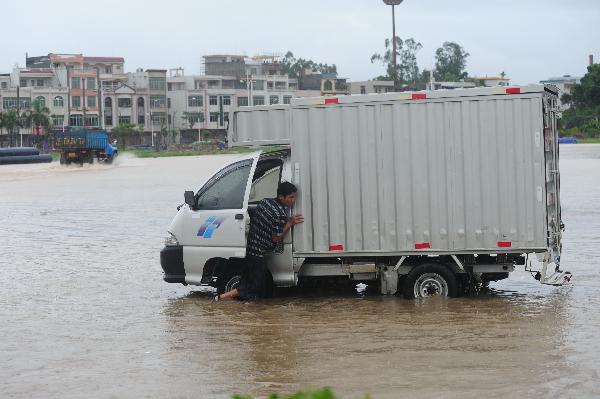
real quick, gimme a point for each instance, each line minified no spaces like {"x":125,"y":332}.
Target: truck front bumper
{"x":171,"y":261}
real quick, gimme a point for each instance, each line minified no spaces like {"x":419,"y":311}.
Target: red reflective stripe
{"x":513,"y":90}
{"x":504,"y":244}
{"x":419,"y":96}
{"x":336,"y":247}
{"x":331,"y":100}
{"x":422,"y":245}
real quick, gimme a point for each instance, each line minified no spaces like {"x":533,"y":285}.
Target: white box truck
{"x":426,"y":193}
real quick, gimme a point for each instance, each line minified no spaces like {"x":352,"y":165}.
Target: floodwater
{"x":84,"y":311}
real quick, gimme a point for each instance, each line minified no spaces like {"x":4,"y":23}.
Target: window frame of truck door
{"x":227,"y":170}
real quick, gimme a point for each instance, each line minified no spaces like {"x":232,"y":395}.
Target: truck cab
{"x":206,"y":241}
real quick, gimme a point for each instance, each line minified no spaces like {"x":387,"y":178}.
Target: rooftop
{"x":103,"y":59}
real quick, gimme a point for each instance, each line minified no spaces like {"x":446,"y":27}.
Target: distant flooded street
{"x":84,"y":311}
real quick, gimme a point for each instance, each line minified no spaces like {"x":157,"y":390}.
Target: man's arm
{"x":295,"y":219}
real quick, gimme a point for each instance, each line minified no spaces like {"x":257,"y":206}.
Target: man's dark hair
{"x":286,"y":188}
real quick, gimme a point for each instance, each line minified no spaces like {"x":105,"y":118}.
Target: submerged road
{"x":84,"y":311}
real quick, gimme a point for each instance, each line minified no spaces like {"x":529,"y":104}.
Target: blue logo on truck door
{"x":209,"y":226}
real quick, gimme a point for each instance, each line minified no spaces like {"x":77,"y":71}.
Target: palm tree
{"x":9,"y":122}
{"x":1,"y":127}
{"x":38,"y":116}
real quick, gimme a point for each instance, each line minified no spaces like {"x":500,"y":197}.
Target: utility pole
{"x":394,"y":3}
{"x":19,"y":115}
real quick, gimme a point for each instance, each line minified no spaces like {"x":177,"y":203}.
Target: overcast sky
{"x":528,"y":40}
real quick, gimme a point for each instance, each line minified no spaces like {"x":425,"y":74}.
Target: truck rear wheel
{"x":430,"y":279}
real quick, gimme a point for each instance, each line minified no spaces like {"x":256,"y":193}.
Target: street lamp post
{"x":394,"y":3}
{"x":151,"y":128}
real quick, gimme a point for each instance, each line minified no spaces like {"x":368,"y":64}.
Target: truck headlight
{"x":171,"y":240}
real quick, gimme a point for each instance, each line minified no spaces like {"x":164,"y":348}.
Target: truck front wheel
{"x":430,"y":279}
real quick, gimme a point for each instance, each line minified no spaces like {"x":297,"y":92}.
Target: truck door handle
{"x":239,"y":216}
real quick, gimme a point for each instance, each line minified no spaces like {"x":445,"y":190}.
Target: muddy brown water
{"x":84,"y":311}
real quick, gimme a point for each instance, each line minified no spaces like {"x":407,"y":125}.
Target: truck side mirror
{"x":190,"y":199}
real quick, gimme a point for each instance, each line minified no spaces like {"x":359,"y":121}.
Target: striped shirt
{"x":267,"y":221}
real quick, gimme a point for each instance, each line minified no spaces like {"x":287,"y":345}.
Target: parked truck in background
{"x":83,"y":146}
{"x":425,"y":193}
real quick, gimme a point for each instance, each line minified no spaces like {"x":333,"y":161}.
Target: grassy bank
{"x":588,"y":141}
{"x":183,"y":153}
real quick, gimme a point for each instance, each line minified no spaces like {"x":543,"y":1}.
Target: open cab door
{"x":217,"y":217}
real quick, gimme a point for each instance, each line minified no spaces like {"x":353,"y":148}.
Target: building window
{"x":287,"y":99}
{"x":363,"y":90}
{"x":41,"y":100}
{"x":76,"y":120}
{"x":195,"y":101}
{"x":91,"y":101}
{"x":168,"y":102}
{"x":76,"y":102}
{"x":258,"y":85}
{"x":40,"y":83}
{"x":76,"y":84}
{"x":124,"y":119}
{"x":158,"y":101}
{"x":91,"y":120}
{"x":59,"y":101}
{"x":226,"y":100}
{"x":141,"y":119}
{"x":157,"y":83}
{"x":327,"y":85}
{"x":58,"y":120}
{"x":90,"y":83}
{"x":23,"y":82}
{"x":273,"y":100}
{"x":194,"y":117}
{"x":4,"y":85}
{"x":214,"y":116}
{"x":108,"y":104}
{"x":9,"y":102}
{"x":212,"y":100}
{"x":225,"y":116}
{"x":158,"y":118}
{"x":242,"y":101}
{"x":108,"y":120}
{"x":258,"y":100}
{"x":108,"y":69}
{"x":124,"y":102}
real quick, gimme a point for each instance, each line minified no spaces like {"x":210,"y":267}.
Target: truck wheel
{"x":430,"y":279}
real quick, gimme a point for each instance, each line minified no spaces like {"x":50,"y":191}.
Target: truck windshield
{"x":227,"y":188}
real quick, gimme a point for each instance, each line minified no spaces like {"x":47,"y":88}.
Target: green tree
{"x":10,"y":122}
{"x":139,"y":130}
{"x":451,"y":60}
{"x":583,"y":116}
{"x":38,"y":117}
{"x":406,"y":60}
{"x":295,"y":67}
{"x":191,"y":118}
{"x":123,"y":131}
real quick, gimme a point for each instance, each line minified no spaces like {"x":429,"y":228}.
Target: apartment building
{"x":82,"y":91}
{"x":564,"y":84}
{"x":204,"y":102}
{"x":329,"y":84}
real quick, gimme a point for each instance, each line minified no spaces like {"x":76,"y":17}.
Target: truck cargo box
{"x":81,"y":139}
{"x":462,"y":171}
